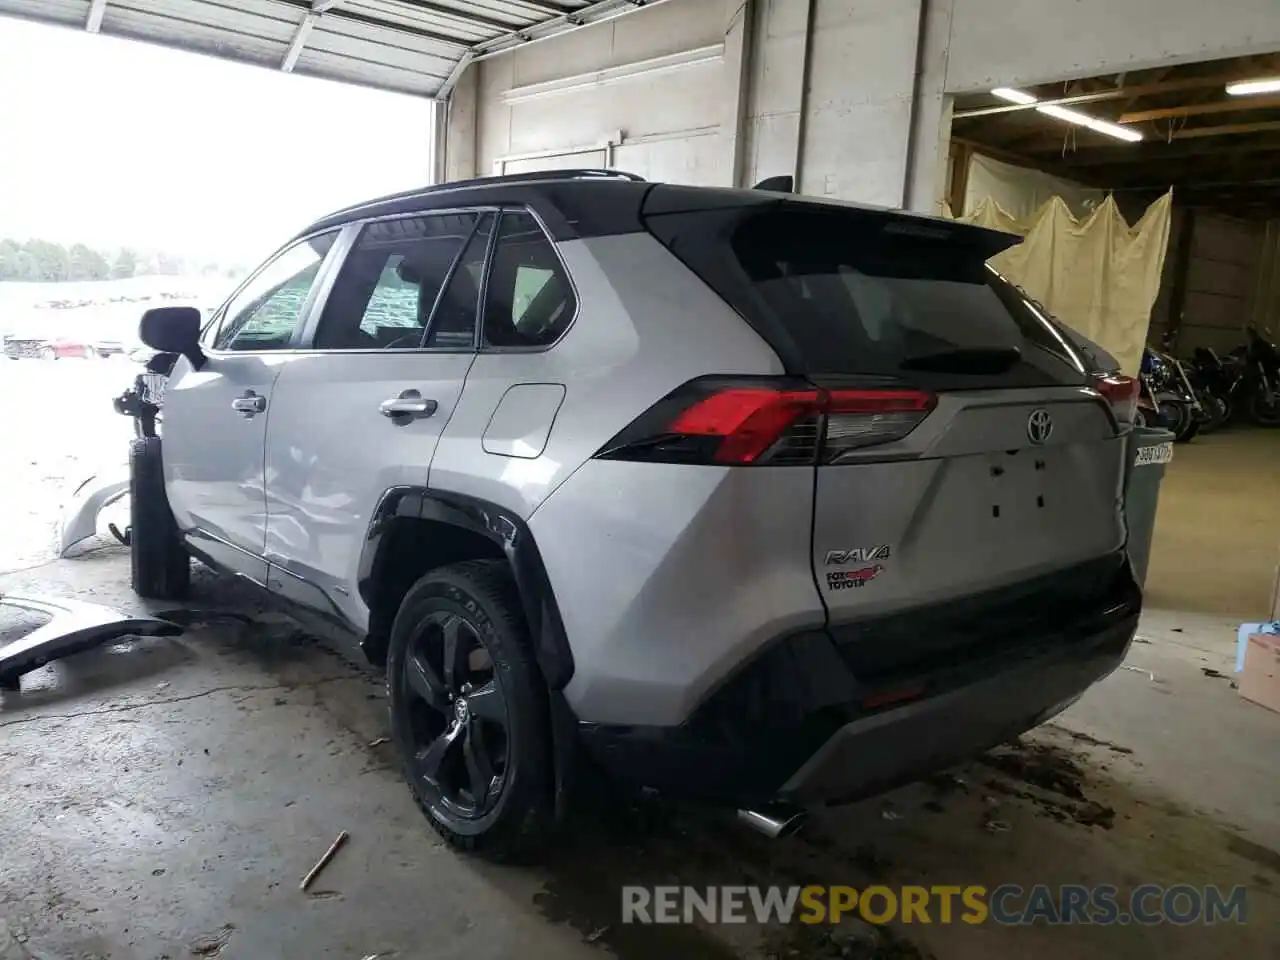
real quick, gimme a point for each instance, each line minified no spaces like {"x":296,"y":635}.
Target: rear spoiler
{"x":777,"y":185}
{"x":665,"y":198}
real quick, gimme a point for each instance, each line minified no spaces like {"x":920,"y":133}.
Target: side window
{"x":390,"y":282}
{"x":530,"y":301}
{"x":265,"y":312}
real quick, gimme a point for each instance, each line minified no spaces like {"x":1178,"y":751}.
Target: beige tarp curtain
{"x":1098,"y":275}
{"x":1021,"y":190}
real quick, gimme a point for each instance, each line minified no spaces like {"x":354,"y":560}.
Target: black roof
{"x":586,"y":203}
{"x":573,"y":203}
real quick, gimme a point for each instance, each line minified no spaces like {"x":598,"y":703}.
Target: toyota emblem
{"x":1039,"y":425}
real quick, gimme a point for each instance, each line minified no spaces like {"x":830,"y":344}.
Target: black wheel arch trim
{"x":503,"y":528}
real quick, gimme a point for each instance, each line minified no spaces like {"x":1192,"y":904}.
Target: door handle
{"x":410,"y":405}
{"x":249,"y":403}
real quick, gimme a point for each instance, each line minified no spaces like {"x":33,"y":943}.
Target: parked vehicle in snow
{"x":44,"y":348}
{"x":733,"y":495}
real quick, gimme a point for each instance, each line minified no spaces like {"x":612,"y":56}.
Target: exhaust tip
{"x":775,"y":821}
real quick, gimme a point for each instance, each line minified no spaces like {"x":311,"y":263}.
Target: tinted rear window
{"x":871,"y":294}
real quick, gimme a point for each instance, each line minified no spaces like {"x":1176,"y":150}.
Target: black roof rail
{"x":584,"y":173}
{"x":529,"y":177}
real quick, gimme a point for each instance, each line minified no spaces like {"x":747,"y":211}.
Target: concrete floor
{"x":1217,"y":539}
{"x":162,"y":798}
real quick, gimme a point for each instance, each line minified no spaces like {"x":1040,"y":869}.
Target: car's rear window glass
{"x":869,"y":295}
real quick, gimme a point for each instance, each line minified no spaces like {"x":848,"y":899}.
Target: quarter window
{"x":530,"y":300}
{"x":264,"y":313}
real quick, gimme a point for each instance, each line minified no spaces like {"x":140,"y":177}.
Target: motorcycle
{"x":1167,"y":398}
{"x":1216,"y":383}
{"x":1259,"y":387}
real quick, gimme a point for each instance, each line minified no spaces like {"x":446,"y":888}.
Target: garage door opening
{"x":1087,"y":149}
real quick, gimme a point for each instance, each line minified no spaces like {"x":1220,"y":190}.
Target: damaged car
{"x":732,"y":495}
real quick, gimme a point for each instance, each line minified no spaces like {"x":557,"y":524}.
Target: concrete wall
{"x":853,"y":95}
{"x":1013,"y":42}
{"x":853,"y":112}
{"x":619,"y":85}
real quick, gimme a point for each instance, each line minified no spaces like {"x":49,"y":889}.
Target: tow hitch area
{"x":74,"y":626}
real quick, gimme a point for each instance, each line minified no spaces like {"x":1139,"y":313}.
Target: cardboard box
{"x":1260,"y":680}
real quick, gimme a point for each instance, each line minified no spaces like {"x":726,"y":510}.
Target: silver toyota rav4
{"x":731,"y":494}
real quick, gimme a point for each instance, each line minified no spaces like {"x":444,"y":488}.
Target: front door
{"x":215,"y":418}
{"x":360,"y":410}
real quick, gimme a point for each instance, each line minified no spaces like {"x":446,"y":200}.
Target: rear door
{"x":965,"y":450}
{"x":361,"y":408}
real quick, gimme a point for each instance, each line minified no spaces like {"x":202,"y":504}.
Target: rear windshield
{"x":852,"y":293}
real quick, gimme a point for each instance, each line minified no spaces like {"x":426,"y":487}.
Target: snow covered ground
{"x":56,"y":430}
{"x":100,"y":310}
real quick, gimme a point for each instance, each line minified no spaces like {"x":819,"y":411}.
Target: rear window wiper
{"x":976,"y":360}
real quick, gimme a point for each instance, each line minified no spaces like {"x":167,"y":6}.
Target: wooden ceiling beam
{"x":1234,"y":105}
{"x":1018,"y":159}
{"x":1125,"y":155}
{"x":1225,"y":130}
{"x":1119,"y":93}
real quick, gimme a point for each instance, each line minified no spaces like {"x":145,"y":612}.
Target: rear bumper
{"x":797,"y":724}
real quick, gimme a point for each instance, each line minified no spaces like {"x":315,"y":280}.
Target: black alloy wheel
{"x":469,"y":711}
{"x":457,"y":716}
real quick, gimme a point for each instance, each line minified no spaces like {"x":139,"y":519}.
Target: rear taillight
{"x":767,"y":422}
{"x":1121,"y":392}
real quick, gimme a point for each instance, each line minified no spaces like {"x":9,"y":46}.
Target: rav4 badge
{"x":836,"y":558}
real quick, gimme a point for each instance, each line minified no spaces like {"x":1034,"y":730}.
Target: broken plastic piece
{"x":80,"y":518}
{"x":74,"y":626}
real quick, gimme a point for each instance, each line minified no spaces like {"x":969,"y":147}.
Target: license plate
{"x":1156,"y":453}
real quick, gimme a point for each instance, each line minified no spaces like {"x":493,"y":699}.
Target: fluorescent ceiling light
{"x":1093,"y":123}
{"x":1248,"y":88}
{"x":1069,"y":116}
{"x":1013,"y":96}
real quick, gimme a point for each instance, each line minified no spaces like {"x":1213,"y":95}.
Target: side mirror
{"x":173,"y":330}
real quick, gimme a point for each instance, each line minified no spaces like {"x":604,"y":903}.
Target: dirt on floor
{"x":162,"y":798}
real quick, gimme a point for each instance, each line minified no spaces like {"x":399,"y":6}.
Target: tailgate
{"x":969,"y":502}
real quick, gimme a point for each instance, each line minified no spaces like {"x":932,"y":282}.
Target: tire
{"x":159,"y":566}
{"x":1189,"y":431}
{"x":1262,"y":414}
{"x":48,"y":353}
{"x":1175,"y":415}
{"x":483,"y":778}
{"x":1218,"y":413}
